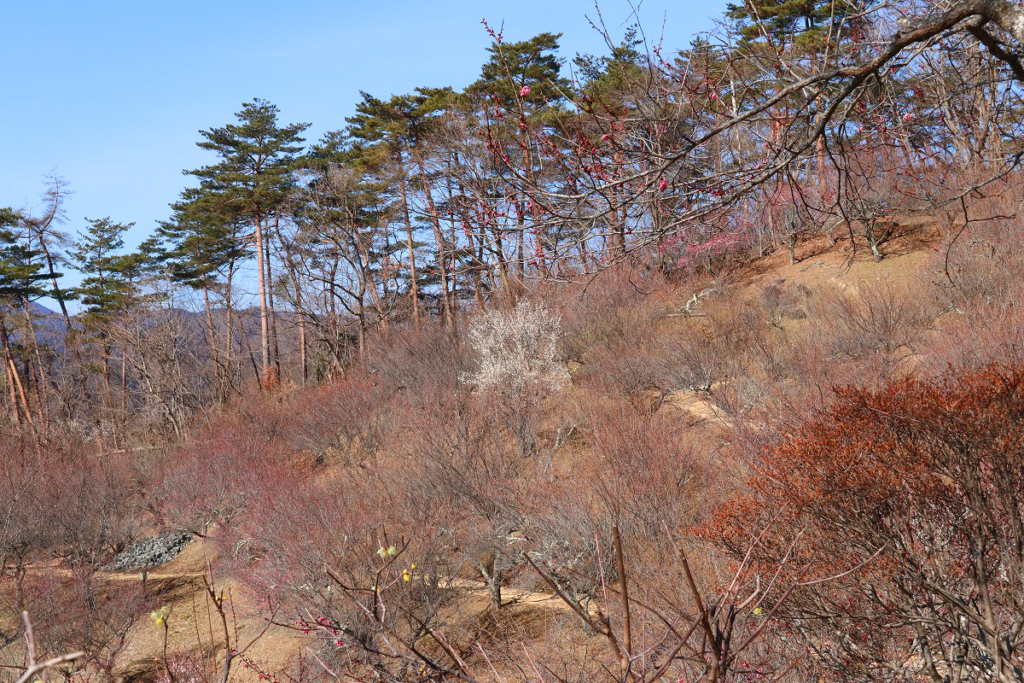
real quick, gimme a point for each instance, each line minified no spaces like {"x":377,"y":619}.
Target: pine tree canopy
{"x":21,"y":269}
{"x":528,"y":69}
{"x":808,"y":23}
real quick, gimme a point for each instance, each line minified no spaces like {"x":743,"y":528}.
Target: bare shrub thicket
{"x":72,"y":508}
{"x":23,"y":532}
{"x":346,"y":418}
{"x":612,"y":310}
{"x":645,"y":471}
{"x":214,"y":477}
{"x":82,"y":612}
{"x":879,"y":321}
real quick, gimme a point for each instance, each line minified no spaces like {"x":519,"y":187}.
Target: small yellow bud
{"x":413,"y":565}
{"x":160,"y":616}
{"x":758,"y":611}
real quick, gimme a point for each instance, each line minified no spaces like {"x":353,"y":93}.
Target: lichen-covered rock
{"x":151,"y":552}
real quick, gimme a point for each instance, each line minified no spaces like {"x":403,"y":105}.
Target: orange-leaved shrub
{"x":898,"y":513}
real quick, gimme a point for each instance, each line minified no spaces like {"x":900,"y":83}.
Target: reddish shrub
{"x":909,"y":497}
{"x":78,"y":611}
{"x":345,"y":418}
{"x":214,"y":477}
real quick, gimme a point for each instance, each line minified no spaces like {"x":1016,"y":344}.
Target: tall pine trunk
{"x":40,"y":385}
{"x":11,"y":371}
{"x":211,"y":338}
{"x":414,"y":293}
{"x":18,"y":389}
{"x":229,"y":329}
{"x":124,"y":387}
{"x":270,"y":301}
{"x":442,"y":257}
{"x":262,"y":286}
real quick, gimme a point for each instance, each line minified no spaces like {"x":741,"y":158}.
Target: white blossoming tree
{"x":517,"y":350}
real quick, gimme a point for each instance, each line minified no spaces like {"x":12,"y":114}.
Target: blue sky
{"x":111,"y":95}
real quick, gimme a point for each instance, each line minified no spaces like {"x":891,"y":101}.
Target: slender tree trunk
{"x":442,"y":257}
{"x":368,"y":282}
{"x":70,"y":337}
{"x":292,"y":265}
{"x":499,"y":252}
{"x":338,"y":344}
{"x":12,"y":374}
{"x":262,"y":286}
{"x":10,"y":370}
{"x":454,"y":236}
{"x":302,"y":348}
{"x":476,"y":264}
{"x":270,"y":301}
{"x":105,"y":357}
{"x":361,"y":335}
{"x":528,"y":171}
{"x":57,"y":293}
{"x":252,"y":357}
{"x":212,"y":340}
{"x":40,"y":384}
{"x":618,"y":237}
{"x":229,"y":325}
{"x":414,"y":293}
{"x":124,"y":387}
{"x":300,"y":311}
{"x":521,"y":246}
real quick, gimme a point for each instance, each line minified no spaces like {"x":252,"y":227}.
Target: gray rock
{"x":151,"y":552}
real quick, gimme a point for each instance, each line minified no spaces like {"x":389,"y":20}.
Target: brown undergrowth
{"x":469,"y":530}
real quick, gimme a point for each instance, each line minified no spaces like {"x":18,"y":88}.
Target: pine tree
{"x":811,"y":32}
{"x":21,"y":270}
{"x":524,"y":80}
{"x":395,"y":133}
{"x":528,"y":70}
{"x":21,"y":278}
{"x":46,"y":233}
{"x":807,"y":23}
{"x":614,"y":75}
{"x":401,"y":129}
{"x":249,"y":186}
{"x":106,"y":289}
{"x":616,"y":85}
{"x":96,"y":254}
{"x":199,"y":244}
{"x":198,"y":240}
{"x":346,"y":220}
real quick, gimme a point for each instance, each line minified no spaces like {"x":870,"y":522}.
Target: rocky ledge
{"x":151,"y":552}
